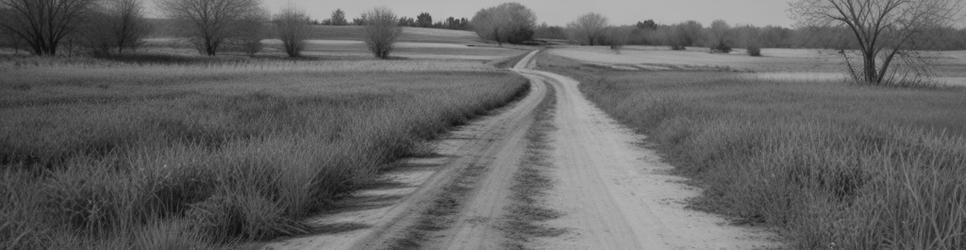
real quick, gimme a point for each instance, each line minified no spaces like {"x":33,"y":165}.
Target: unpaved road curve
{"x":612,"y":193}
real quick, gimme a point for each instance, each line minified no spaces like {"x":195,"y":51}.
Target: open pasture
{"x":111,"y":155}
{"x":409,"y":34}
{"x":411,"y":50}
{"x":775,"y":65}
{"x":167,"y":29}
{"x":351,"y":50}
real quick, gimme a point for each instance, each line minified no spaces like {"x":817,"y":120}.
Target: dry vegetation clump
{"x":195,"y":156}
{"x":832,"y":165}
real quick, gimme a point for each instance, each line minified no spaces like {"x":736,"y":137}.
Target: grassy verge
{"x":527,"y":212}
{"x":829,"y":165}
{"x":111,"y":155}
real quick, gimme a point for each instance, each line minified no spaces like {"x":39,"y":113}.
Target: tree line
{"x":695,"y":34}
{"x":104,"y":27}
{"x":423,"y":20}
{"x":879,"y":40}
{"x":44,"y":26}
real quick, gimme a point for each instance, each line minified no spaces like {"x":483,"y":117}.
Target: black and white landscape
{"x":269,"y":124}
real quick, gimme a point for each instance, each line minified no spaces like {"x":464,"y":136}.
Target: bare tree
{"x":292,"y":27}
{"x":381,"y":31}
{"x":129,"y":25}
{"x":616,"y":37}
{"x":684,"y":34}
{"x":720,"y":37}
{"x":10,"y":40}
{"x":884,"y":31}
{"x":43,"y":24}
{"x":211,"y":22}
{"x":252,"y":30}
{"x":589,"y":28}
{"x":116,"y":25}
{"x":505,"y":23}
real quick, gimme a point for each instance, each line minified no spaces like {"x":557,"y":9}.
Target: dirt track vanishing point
{"x":608,"y":192}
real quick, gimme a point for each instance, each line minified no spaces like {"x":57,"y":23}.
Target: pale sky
{"x":560,"y":12}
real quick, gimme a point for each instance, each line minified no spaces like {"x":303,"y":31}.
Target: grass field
{"x":410,"y":34}
{"x":828,"y":164}
{"x":196,"y":153}
{"x":167,"y":29}
{"x":795,"y":65}
{"x":348,"y":49}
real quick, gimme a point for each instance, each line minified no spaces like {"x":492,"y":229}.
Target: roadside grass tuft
{"x":830,"y":165}
{"x":199,"y":157}
{"x":527,"y":212}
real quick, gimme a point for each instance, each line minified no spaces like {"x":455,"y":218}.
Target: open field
{"x":350,"y":50}
{"x":412,"y":50}
{"x":109,"y":154}
{"x":828,"y":164}
{"x":167,"y":29}
{"x":776,"y":64}
{"x":410,"y":34}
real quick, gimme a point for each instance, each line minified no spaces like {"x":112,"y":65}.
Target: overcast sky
{"x":560,"y":12}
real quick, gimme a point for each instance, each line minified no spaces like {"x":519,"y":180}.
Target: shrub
{"x":590,"y":29}
{"x":234,"y":215}
{"x":721,"y":48}
{"x":754,"y":51}
{"x":292,"y":28}
{"x":382,"y":29}
{"x":506,"y":23}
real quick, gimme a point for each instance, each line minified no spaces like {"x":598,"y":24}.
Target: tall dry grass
{"x":101,"y":155}
{"x":831,"y":166}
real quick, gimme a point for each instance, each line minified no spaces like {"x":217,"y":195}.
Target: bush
{"x":292,"y":27}
{"x":506,"y":23}
{"x":721,"y":48}
{"x":382,"y":29}
{"x":754,"y":51}
{"x":235,"y":215}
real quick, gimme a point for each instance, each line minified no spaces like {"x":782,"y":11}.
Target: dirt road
{"x":610,"y":193}
{"x":616,"y":195}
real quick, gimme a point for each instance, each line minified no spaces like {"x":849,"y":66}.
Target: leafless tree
{"x":588,"y":29}
{"x":684,"y":34}
{"x":115,"y":25}
{"x":381,"y":31}
{"x":252,"y":30}
{"x":292,"y":27}
{"x":43,"y":24}
{"x":616,"y":37}
{"x":10,"y":40}
{"x":720,"y":36}
{"x":211,"y":22}
{"x":885,"y":32}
